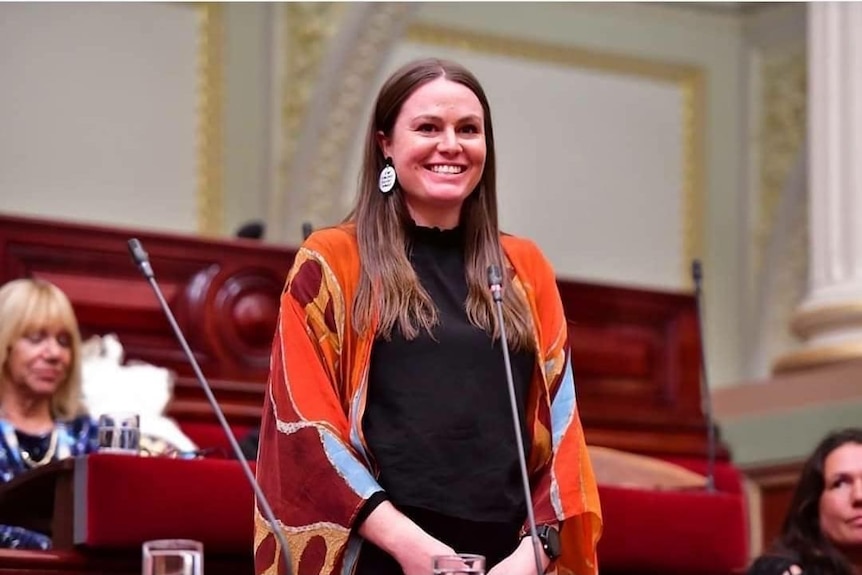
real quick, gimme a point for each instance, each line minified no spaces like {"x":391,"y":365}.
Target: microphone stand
{"x":495,"y":282}
{"x":706,"y":398}
{"x":143,"y":262}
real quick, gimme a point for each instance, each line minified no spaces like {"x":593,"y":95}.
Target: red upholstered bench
{"x":682,"y":532}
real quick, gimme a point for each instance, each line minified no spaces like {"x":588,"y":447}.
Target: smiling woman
{"x":437,"y":147}
{"x":40,"y":384}
{"x":387,"y":372}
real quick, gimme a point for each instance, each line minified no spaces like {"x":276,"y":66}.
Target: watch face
{"x":550,"y":541}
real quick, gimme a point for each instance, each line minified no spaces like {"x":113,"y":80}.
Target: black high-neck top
{"x":438,"y":421}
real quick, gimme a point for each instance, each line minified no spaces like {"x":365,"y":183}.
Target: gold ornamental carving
{"x":310,"y":26}
{"x":357,"y":72}
{"x":779,"y":141}
{"x":781,"y":135}
{"x":210,"y":135}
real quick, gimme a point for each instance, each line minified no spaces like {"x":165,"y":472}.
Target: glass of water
{"x":459,"y":564}
{"x":120,"y":433}
{"x":173,"y":557}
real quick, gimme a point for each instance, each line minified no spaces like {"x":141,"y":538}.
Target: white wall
{"x":98,"y":112}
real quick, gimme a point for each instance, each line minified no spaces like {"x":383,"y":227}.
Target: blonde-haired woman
{"x":41,"y":419}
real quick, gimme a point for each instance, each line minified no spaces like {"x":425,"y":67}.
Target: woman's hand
{"x":416,"y":558}
{"x":401,"y":538}
{"x":522,"y":561}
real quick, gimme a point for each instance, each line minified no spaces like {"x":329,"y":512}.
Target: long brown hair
{"x":388,"y":286}
{"x":801,"y":533}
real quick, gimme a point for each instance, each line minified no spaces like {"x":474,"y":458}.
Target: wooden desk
{"x":99,"y":509}
{"x":84,"y":562}
{"x":41,"y":500}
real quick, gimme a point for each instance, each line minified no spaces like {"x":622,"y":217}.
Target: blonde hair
{"x":33,"y":304}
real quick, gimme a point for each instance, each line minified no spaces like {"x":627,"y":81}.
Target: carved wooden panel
{"x":636,"y":356}
{"x":224,"y":294}
{"x":776,"y":484}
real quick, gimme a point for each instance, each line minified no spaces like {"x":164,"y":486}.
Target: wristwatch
{"x":549,"y":537}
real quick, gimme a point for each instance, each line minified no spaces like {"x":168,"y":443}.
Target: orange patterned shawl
{"x":312,"y":462}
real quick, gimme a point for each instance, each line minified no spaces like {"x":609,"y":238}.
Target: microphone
{"x":495,"y":283}
{"x":705,"y":397}
{"x":143,"y":262}
{"x":307,"y":228}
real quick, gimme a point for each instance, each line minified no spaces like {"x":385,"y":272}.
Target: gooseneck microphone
{"x":495,"y":283}
{"x":307,"y":228}
{"x":143,"y":262}
{"x":705,"y":397}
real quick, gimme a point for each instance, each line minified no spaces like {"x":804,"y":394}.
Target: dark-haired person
{"x":41,"y":419}
{"x":822,"y":533}
{"x":387,"y":433}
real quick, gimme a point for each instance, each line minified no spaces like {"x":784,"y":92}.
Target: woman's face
{"x":38,"y":362}
{"x":841,"y":500}
{"x":438,"y":148}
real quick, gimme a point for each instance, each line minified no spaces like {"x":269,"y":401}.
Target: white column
{"x":830,"y":318}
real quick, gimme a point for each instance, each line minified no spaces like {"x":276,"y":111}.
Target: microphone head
{"x":307,"y":228}
{"x":253,"y":230}
{"x":495,"y":276}
{"x":137,"y":250}
{"x":139,"y":255}
{"x":696,"y":271}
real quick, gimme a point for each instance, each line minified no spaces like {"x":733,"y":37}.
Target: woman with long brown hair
{"x":822,"y":533}
{"x":387,"y":433}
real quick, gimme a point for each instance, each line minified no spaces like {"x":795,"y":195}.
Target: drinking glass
{"x":120,"y":433}
{"x":459,"y":564}
{"x":173,"y":557}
